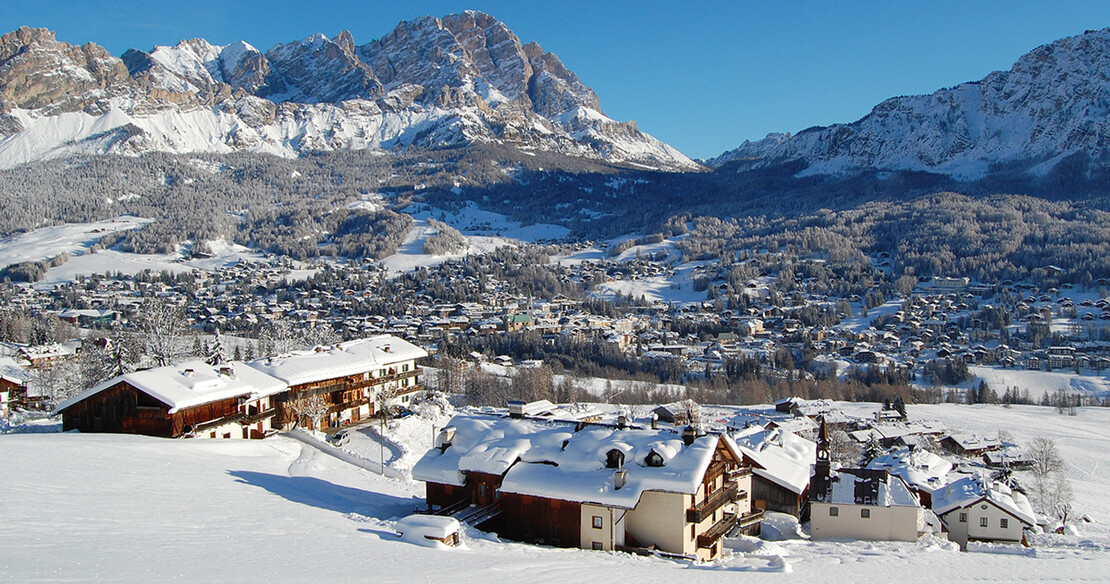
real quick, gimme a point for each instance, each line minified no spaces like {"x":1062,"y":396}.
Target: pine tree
{"x":215,"y":353}
{"x":872,"y":449}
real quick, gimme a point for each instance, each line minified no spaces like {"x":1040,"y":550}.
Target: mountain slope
{"x":431,"y":83}
{"x":1051,"y":104}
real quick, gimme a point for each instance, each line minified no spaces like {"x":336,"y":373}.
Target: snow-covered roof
{"x":13,"y":371}
{"x":549,"y":459}
{"x":347,"y":358}
{"x":893,"y":492}
{"x":975,"y":442}
{"x":192,"y":383}
{"x":972,"y":489}
{"x":920,"y":469}
{"x":784,"y":458}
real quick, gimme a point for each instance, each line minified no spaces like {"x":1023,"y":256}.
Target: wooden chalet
{"x":354,"y":379}
{"x":781,"y":463}
{"x":13,"y":386}
{"x":192,"y":399}
{"x":592,"y":486}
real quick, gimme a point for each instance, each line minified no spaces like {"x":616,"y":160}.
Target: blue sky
{"x":702,"y":76}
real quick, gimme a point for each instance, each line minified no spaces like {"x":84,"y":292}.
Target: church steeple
{"x":819,"y":484}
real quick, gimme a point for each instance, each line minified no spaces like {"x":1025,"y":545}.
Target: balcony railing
{"x":699,"y":512}
{"x":340,"y":385}
{"x":719,"y":530}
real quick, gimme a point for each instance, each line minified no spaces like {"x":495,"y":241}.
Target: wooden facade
{"x":350,"y":399}
{"x":771,"y":496}
{"x":124,"y":409}
{"x":540,"y":520}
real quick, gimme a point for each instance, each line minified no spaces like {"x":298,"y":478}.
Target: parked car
{"x":399,"y":412}
{"x":339,"y":438}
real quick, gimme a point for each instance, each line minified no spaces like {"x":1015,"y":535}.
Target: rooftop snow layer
{"x":970,"y":490}
{"x":549,"y":459}
{"x":192,"y":383}
{"x":919,"y":468}
{"x":347,"y":358}
{"x":784,"y":458}
{"x":892,"y":492}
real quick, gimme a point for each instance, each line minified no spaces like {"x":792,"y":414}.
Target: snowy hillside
{"x":81,"y":508}
{"x":431,"y":82}
{"x":1053,"y":103}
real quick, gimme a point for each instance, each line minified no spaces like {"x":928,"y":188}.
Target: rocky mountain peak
{"x":38,"y":71}
{"x":430,"y":82}
{"x":1052,"y":103}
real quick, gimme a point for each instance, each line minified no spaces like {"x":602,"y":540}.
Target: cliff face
{"x":430,"y":82}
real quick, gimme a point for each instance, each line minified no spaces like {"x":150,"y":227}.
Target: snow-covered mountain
{"x":431,"y":82}
{"x":1052,"y":104}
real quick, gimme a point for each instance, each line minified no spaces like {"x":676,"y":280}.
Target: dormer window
{"x":614,"y":459}
{"x":653,"y":459}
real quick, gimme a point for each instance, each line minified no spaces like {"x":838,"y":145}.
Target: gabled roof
{"x":783,"y":457}
{"x":892,"y":490}
{"x":190,"y":384}
{"x":550,"y":459}
{"x":920,"y":468}
{"x":347,"y":358}
{"x":13,"y":371}
{"x":972,"y":490}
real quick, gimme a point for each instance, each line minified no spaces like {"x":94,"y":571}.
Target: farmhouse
{"x":351,"y":381}
{"x":977,"y":509}
{"x":593,"y":486}
{"x":193,"y":399}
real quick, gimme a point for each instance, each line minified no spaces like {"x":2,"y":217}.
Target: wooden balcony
{"x":719,"y":530}
{"x":701,"y":511}
{"x":342,"y":385}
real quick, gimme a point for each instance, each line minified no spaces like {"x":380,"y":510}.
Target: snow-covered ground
{"x":72,"y":238}
{"x":80,"y":508}
{"x":1038,"y":383}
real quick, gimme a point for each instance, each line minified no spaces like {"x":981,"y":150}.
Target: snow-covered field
{"x":73,"y":238}
{"x":80,"y":508}
{"x":1038,"y":383}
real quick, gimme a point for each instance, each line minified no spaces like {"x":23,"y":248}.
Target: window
{"x":405,"y":367}
{"x":597,"y":523}
{"x":963,"y":517}
{"x":834,"y":511}
{"x":865,"y":513}
{"x":982,"y":522}
{"x":598,"y":546}
{"x":1004,"y":523}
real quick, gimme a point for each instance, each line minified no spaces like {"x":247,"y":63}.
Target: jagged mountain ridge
{"x":430,"y":82}
{"x":1052,"y":104}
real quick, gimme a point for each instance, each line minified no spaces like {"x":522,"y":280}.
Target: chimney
{"x":446,"y":436}
{"x":188,"y":372}
{"x":622,"y":420}
{"x":689,"y":434}
{"x":386,"y":348}
{"x":227,"y":371}
{"x":654,"y":421}
{"x":620,"y":477}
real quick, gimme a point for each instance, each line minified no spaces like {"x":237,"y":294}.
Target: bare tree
{"x":58,"y":381}
{"x":165,"y":332}
{"x":1047,"y":463}
{"x":843,"y":449}
{"x":314,"y":407}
